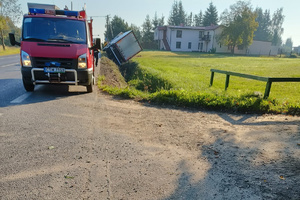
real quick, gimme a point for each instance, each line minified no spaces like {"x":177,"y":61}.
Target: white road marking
{"x":9,"y":65}
{"x":24,"y":96}
{"x":21,"y":98}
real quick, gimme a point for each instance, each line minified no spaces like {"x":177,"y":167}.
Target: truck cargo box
{"x":123,"y":47}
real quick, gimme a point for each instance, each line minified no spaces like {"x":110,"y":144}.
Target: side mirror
{"x":97,"y":46}
{"x":13,"y":40}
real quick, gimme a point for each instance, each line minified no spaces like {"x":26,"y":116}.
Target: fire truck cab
{"x":56,"y":47}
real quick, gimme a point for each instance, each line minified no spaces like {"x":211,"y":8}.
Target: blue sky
{"x":135,"y":11}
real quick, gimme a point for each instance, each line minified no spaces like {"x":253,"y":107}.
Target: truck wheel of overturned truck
{"x":28,"y":85}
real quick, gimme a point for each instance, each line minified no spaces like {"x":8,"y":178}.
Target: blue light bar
{"x":54,"y":12}
{"x":36,"y":11}
{"x":71,"y":13}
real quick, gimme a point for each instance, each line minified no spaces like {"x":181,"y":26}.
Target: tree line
{"x":10,"y":14}
{"x":241,"y":24}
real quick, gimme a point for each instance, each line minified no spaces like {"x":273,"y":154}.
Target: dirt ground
{"x":217,"y":155}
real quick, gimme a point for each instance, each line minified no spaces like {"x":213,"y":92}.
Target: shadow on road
{"x":15,"y":96}
{"x":243,"y":170}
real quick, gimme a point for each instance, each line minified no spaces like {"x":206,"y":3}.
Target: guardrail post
{"x":269,"y":80}
{"x":212,"y":78}
{"x":227,"y":81}
{"x":268,"y":89}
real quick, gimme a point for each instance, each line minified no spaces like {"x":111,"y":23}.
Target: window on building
{"x":178,"y":45}
{"x":201,"y":34}
{"x":179,"y":34}
{"x":189,"y":45}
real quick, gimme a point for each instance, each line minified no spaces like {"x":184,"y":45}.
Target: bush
{"x":293,"y":56}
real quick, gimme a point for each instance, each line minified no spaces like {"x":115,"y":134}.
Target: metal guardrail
{"x":259,"y":78}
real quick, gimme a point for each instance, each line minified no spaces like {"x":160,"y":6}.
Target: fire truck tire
{"x":89,"y":88}
{"x":29,"y":87}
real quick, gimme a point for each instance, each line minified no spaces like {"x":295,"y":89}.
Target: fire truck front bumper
{"x":57,"y":76}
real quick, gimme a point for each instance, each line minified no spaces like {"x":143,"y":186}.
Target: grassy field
{"x":191,"y":71}
{"x":183,"y":79}
{"x":9,"y":51}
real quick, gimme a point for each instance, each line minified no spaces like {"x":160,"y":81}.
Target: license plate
{"x":54,"y":70}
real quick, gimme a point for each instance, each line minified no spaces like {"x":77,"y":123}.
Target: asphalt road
{"x":44,"y":139}
{"x":10,"y":79}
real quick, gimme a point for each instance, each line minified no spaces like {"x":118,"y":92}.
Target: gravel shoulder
{"x":188,"y":154}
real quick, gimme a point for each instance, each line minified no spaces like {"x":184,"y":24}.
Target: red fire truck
{"x":56,"y":47}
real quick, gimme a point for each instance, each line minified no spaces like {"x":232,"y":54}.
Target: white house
{"x":204,"y":39}
{"x":297,"y":50}
{"x":184,"y":38}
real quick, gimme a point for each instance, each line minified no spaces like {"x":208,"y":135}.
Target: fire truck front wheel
{"x":90,"y":87}
{"x":28,"y":85}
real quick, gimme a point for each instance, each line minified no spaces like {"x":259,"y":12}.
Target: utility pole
{"x":108,"y":25}
{"x":91,"y":17}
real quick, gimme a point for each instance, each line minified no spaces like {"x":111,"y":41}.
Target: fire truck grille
{"x":62,"y":62}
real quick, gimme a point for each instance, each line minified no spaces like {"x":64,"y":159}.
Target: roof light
{"x":53,"y":12}
{"x":36,"y":11}
{"x":71,"y":13}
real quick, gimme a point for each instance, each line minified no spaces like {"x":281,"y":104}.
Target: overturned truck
{"x":123,"y":47}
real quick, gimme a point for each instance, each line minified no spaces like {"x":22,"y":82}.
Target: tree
{"x":269,"y":29}
{"x":116,"y":26}
{"x":189,"y":20}
{"x":136,"y":31}
{"x":239,"y":25}
{"x":11,"y":28}
{"x":210,"y":16}
{"x":155,"y":21}
{"x":161,"y":21}
{"x":276,"y":28}
{"x":9,"y":10}
{"x":158,"y":21}
{"x":198,"y":19}
{"x":147,"y":34}
{"x":288,"y":46}
{"x":177,"y":14}
{"x":263,"y":32}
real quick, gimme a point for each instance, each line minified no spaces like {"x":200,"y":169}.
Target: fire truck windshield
{"x":54,"y":30}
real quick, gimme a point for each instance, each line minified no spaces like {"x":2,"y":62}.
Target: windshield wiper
{"x":60,"y":40}
{"x":34,"y":39}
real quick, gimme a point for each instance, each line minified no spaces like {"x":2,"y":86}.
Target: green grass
{"x":9,"y":51}
{"x":182,"y":79}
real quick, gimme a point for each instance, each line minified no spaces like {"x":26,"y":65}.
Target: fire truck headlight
{"x":25,"y":59}
{"x":82,"y":62}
